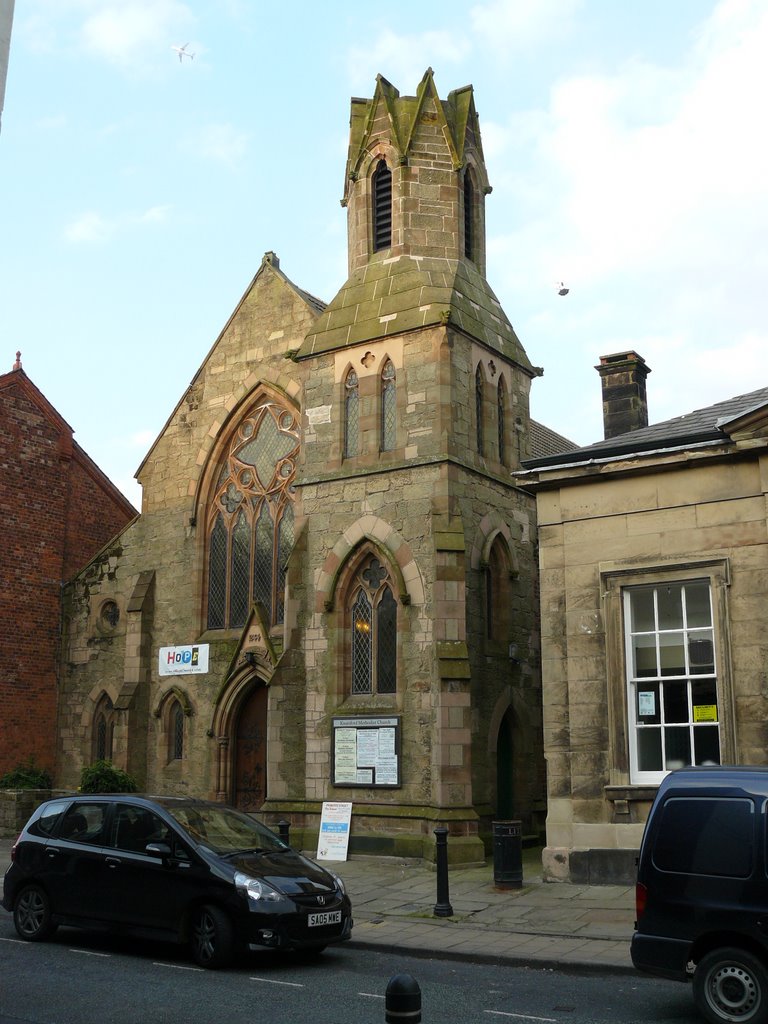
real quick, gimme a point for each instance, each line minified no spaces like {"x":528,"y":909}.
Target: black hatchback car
{"x":170,"y":868}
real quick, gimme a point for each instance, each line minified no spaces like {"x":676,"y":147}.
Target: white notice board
{"x":333,"y":841}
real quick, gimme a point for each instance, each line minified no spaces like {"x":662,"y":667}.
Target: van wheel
{"x":212,"y":939}
{"x":32,"y":914}
{"x":731,"y":985}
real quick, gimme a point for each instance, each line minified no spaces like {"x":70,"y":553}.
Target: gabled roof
{"x":708,"y":425}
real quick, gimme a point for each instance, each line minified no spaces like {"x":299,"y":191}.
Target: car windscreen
{"x":224,"y":830}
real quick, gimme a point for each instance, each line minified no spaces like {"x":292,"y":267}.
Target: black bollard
{"x":402,"y":1001}
{"x":284,"y":828}
{"x":443,"y":906}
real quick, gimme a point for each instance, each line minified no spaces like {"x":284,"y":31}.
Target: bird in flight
{"x":182,"y":51}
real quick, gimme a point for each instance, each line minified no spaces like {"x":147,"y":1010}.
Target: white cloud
{"x":403,"y":59}
{"x":92,"y":227}
{"x":130,"y":34}
{"x":124,"y":32}
{"x":220,"y":142}
{"x":508,"y":26}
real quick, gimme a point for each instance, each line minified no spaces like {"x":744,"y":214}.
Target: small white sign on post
{"x":333,"y":841}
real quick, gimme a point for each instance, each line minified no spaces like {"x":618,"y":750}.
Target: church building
{"x":330,"y":593}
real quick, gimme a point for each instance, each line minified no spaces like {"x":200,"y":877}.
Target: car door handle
{"x":52,"y":851}
{"x":113,"y":862}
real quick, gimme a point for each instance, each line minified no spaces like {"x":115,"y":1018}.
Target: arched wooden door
{"x":250,"y":758}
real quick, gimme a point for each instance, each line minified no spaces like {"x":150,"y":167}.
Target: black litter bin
{"x":507,"y":855}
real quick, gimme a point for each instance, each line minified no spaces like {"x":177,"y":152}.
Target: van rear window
{"x":706,"y":836}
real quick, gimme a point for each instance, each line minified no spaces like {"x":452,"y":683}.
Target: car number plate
{"x":328,"y":917}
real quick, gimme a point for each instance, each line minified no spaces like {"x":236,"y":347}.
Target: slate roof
{"x":694,"y":428}
{"x":544,"y":442}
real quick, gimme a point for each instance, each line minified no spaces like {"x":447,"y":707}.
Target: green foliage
{"x":103,"y":777}
{"x":26,"y":776}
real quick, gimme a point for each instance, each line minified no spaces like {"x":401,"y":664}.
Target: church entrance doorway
{"x":250,"y":755}
{"x":505,"y":796}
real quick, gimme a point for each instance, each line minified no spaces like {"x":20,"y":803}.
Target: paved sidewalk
{"x":555,"y":925}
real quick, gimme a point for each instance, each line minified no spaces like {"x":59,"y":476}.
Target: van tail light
{"x":641,"y":897}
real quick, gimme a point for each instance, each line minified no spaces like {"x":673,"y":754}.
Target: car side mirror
{"x":161,"y":850}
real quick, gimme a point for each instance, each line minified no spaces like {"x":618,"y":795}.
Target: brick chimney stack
{"x":625,"y":406}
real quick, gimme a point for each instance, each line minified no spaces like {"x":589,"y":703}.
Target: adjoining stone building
{"x":654,"y":584}
{"x":330,"y":528}
{"x":57,"y":509}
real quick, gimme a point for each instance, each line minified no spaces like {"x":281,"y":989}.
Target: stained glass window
{"x":351,"y":415}
{"x":373,"y":631}
{"x":250,"y":520}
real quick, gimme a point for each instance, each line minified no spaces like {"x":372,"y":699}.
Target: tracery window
{"x":351,"y":414}
{"x":373,"y":613}
{"x":479,"y":410}
{"x":251,"y":518}
{"x":388,"y":407}
{"x":382,"y":206}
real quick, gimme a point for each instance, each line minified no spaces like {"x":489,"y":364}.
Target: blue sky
{"x":624,"y":141}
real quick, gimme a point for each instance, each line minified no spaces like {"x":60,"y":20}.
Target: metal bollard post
{"x":402,"y":1001}
{"x":284,"y":828}
{"x":443,"y":906}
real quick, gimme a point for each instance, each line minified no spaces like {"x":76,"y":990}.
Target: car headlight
{"x":339,"y":883}
{"x":257,"y":889}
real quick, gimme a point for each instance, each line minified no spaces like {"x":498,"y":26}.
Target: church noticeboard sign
{"x":183,"y":661}
{"x":366,"y":751}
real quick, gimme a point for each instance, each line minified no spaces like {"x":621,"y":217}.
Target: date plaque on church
{"x":366,"y":751}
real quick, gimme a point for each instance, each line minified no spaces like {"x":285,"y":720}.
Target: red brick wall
{"x":55,"y":513}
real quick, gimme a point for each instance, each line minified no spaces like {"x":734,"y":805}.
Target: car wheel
{"x":32,"y":914}
{"x":731,"y":985}
{"x":212,"y":939}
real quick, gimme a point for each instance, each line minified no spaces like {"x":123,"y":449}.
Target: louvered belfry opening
{"x":382,"y":207}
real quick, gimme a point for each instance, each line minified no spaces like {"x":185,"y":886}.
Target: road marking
{"x":88,"y":952}
{"x":176,"y":967}
{"x":371,"y":995}
{"x":271,"y":981}
{"x":19,"y":941}
{"x":521,"y":1016}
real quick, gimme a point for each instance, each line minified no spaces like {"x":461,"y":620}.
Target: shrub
{"x":103,"y":777}
{"x":26,"y":776}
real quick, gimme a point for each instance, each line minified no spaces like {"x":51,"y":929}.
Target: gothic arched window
{"x":382,"y":206}
{"x":103,"y":729}
{"x":351,"y":414}
{"x":497,"y":597}
{"x":250,"y":518}
{"x":388,"y":407}
{"x":373,"y":627}
{"x":479,"y":410}
{"x":176,"y":731}
{"x":501,"y":412}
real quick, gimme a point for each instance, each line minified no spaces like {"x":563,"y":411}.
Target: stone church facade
{"x":329,"y":518}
